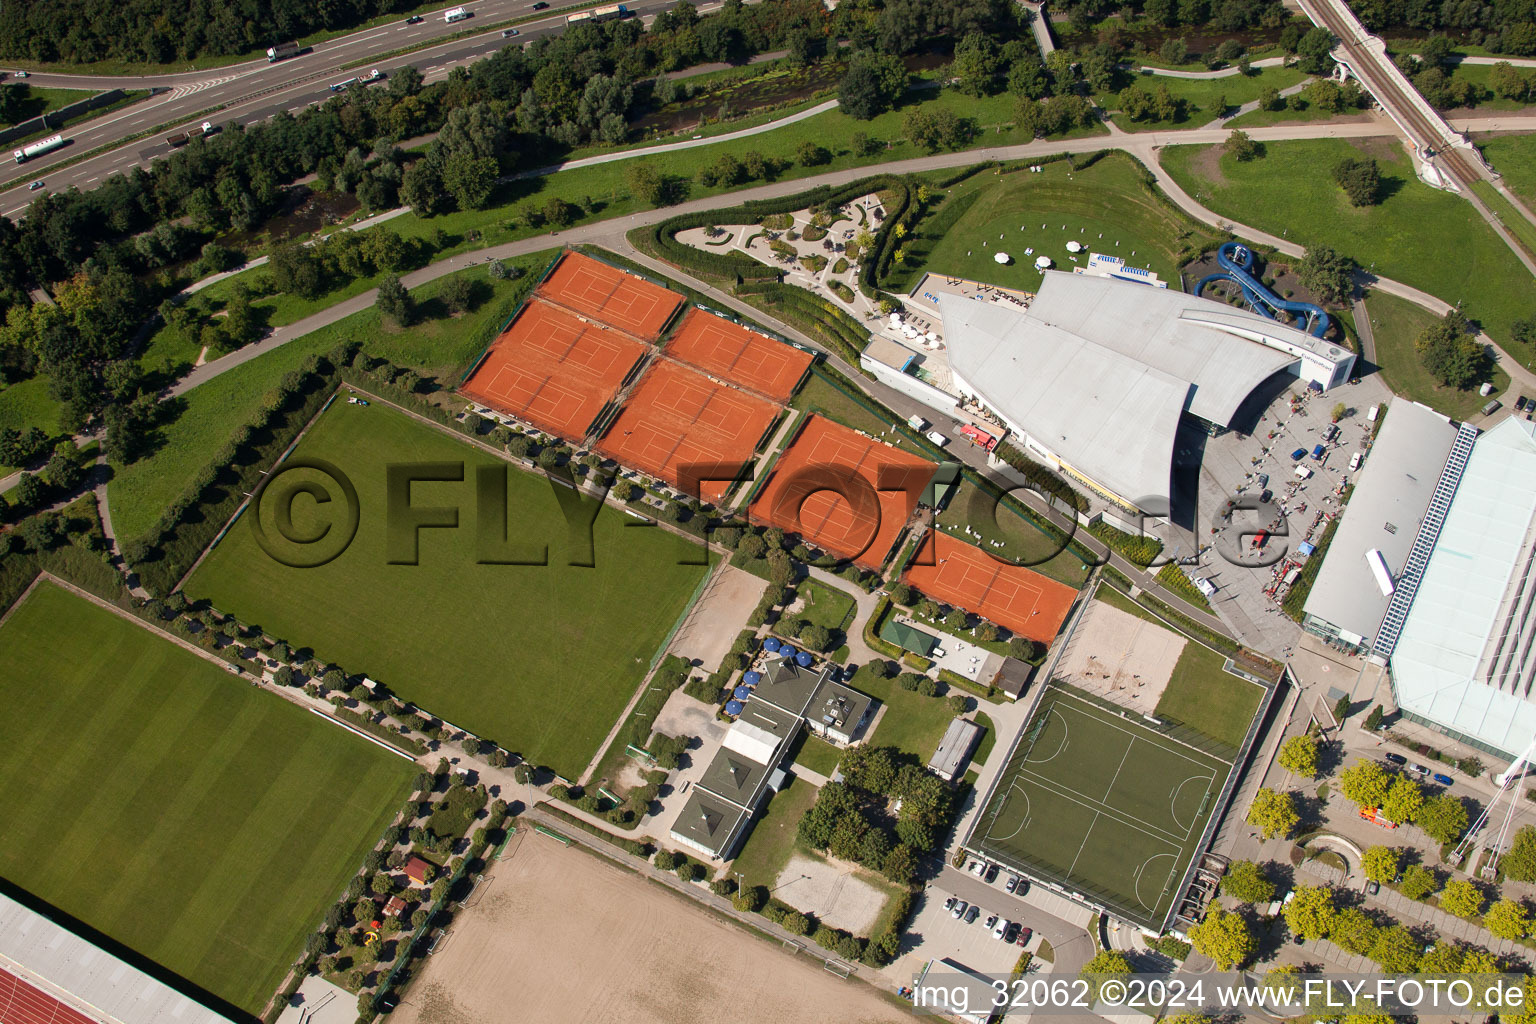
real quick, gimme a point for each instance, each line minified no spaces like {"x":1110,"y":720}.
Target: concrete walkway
{"x":1267,"y":62}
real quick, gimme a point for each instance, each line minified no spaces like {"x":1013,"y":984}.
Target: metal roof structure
{"x":1391,"y":495}
{"x":1465,"y":661}
{"x":1099,"y":370}
{"x":955,"y":748}
{"x":908,"y":638}
{"x":86,"y":978}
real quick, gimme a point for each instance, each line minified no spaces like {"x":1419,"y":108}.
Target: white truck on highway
{"x":456,"y":14}
{"x":282,"y":51}
{"x":38,"y":148}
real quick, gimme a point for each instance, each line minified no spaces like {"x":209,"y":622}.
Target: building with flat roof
{"x":1100,"y":265}
{"x":1097,"y":372}
{"x":954,"y":749}
{"x":50,"y":974}
{"x":1349,"y":596}
{"x":748,"y":765}
{"x":1464,"y":658}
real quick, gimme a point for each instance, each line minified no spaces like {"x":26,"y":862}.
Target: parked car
{"x":991,"y":875}
{"x":1520,"y":402}
{"x":1013,"y":883}
{"x":1355,"y":460}
{"x":958,"y":911}
{"x":1013,"y":931}
{"x":1000,"y":929}
{"x":1397,"y":759}
{"x":991,"y":923}
{"x":1330,"y":432}
{"x":1318,"y":451}
{"x":977,"y":868}
{"x":949,"y":904}
{"x":1372,"y":888}
{"x":1444,"y":780}
{"x":1025,"y":934}
{"x":1417,"y":768}
{"x":1265,"y":495}
{"x":972,"y":914}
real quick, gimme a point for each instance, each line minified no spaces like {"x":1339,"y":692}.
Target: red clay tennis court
{"x":810,"y":492}
{"x":731,"y":352}
{"x":678,"y":418}
{"x":24,"y":1003}
{"x":961,"y":574}
{"x":553,"y":369}
{"x":593,"y":288}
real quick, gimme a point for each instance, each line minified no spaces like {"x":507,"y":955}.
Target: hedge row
{"x":635,"y":847}
{"x":872,"y":630}
{"x":1040,"y":475}
{"x":812,"y":314}
{"x":192,"y":521}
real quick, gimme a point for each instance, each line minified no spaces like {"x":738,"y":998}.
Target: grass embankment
{"x":1106,"y":207}
{"x":1396,"y":324}
{"x":209,"y":414}
{"x":1198,"y":96}
{"x":209,"y":825}
{"x":1514,"y":157}
{"x":1418,"y":235}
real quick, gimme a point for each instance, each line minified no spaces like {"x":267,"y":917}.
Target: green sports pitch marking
{"x":1101,"y":804}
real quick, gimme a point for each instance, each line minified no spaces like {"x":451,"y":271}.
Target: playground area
{"x":607,"y":294}
{"x":725,"y":349}
{"x":843,"y":491}
{"x":553,"y":369}
{"x":1017,"y":598}
{"x":679,"y":425}
{"x":1119,"y":657}
{"x":666,"y":961}
{"x":1095,"y":800}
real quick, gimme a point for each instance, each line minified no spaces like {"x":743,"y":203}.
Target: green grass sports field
{"x":1098,"y":802}
{"x":202,"y":823}
{"x":539,"y":658}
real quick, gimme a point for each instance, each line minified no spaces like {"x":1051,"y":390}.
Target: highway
{"x":256,"y":90}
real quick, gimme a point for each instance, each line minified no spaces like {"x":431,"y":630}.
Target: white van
{"x":937,"y":438}
{"x":1355,"y":460}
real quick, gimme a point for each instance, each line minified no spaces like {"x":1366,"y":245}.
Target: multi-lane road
{"x":256,"y":90}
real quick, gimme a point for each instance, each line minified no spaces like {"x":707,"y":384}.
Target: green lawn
{"x":606,"y":185}
{"x":37,"y":102}
{"x":772,"y":839}
{"x":911,"y":722}
{"x":1395,"y":324}
{"x":1023,"y":541}
{"x":1514,"y":157}
{"x":1285,"y":115}
{"x":1408,"y":236}
{"x":1506,"y":214}
{"x":539,"y":658}
{"x":987,"y":741}
{"x":1200,"y":694}
{"x":816,"y":754}
{"x":26,"y":404}
{"x":1200,"y":94}
{"x":1099,"y":207}
{"x":213,"y":411}
{"x":205,"y":825}
{"x":820,"y":396}
{"x":824,"y":605}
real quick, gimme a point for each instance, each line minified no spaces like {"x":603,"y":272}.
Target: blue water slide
{"x":1236,"y":262}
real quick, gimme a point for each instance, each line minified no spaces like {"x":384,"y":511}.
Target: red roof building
{"x":418,"y":870}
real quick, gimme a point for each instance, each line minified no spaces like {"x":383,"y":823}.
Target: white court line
{"x":1118,"y":769}
{"x":1108,"y":720}
{"x":1151,"y":831}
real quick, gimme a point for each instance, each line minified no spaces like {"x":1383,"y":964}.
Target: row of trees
{"x":851,"y":819}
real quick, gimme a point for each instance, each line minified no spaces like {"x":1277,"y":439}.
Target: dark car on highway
{"x":541,"y":6}
{"x":415,"y":19}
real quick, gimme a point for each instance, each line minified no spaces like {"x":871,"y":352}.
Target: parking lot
{"x":1234,"y":465}
{"x":940,"y":935}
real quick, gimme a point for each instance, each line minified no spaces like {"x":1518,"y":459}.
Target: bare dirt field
{"x":718,"y":616}
{"x":1120,"y":657}
{"x":561,"y":935}
{"x":832,"y":892}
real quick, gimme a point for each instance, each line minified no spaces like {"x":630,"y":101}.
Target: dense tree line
{"x":1504,"y":26}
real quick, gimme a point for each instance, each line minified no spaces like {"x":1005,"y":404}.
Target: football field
{"x":204,"y":824}
{"x":1096,"y":800}
{"x":539,"y":658}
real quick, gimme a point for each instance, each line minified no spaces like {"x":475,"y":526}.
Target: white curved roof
{"x":1098,"y":370}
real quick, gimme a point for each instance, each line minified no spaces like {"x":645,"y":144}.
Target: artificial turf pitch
{"x":540,"y":659}
{"x":1101,"y":804}
{"x":206,"y":825}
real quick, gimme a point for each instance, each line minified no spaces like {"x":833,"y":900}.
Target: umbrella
{"x":770,"y":644}
{"x":1042,"y":262}
{"x":1074,"y":247}
{"x":1001,"y":257}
